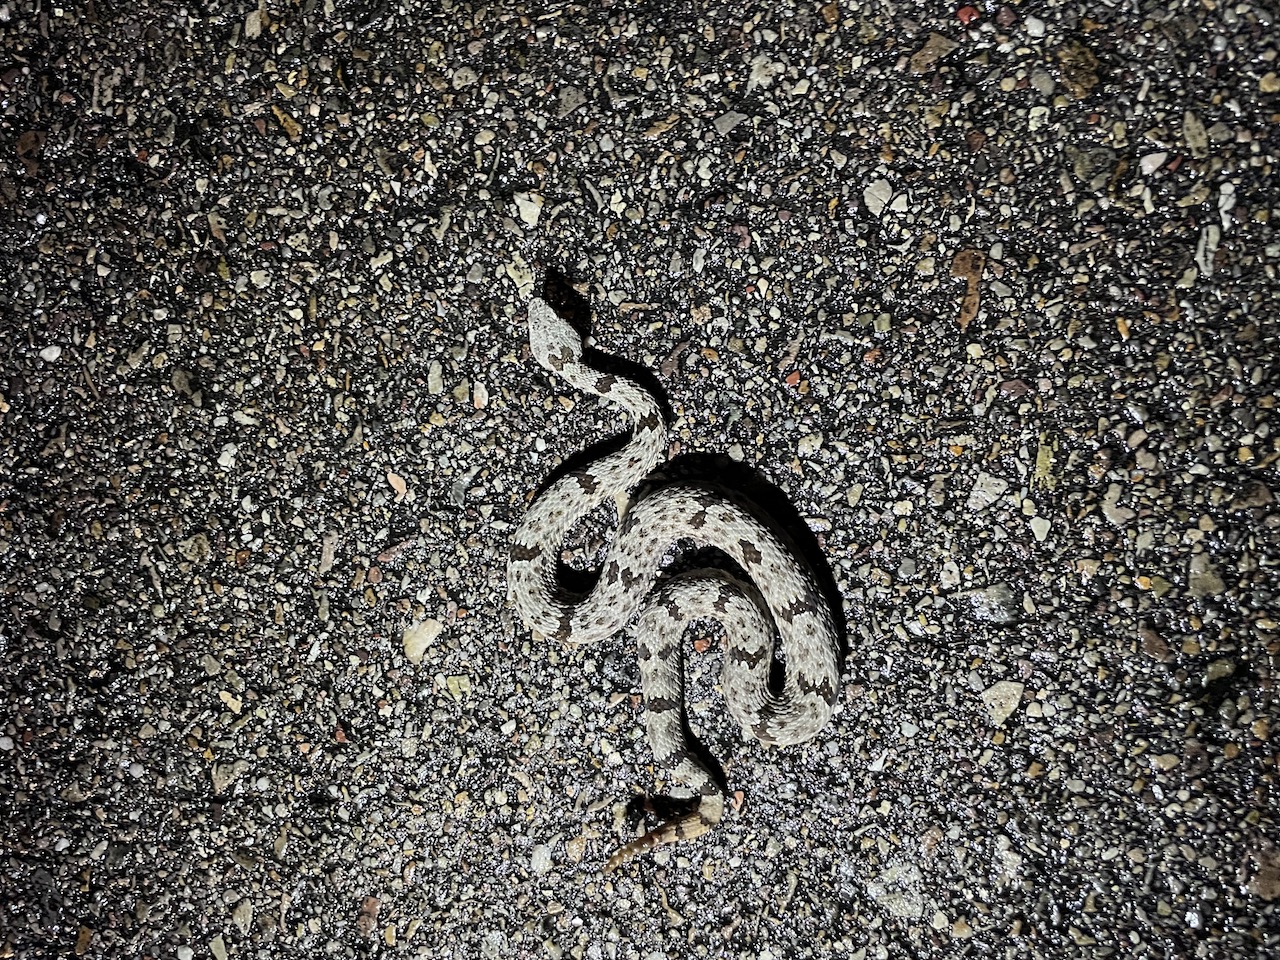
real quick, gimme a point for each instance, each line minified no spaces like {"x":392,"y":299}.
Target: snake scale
{"x":782,"y":597}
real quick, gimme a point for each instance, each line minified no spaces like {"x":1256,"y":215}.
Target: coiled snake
{"x":782,"y":596}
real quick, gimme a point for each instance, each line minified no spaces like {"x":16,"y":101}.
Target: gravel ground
{"x":989,"y":295}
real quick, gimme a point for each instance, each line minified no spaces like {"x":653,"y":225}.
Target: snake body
{"x":782,"y":596}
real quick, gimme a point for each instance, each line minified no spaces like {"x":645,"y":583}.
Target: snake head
{"x":552,"y":339}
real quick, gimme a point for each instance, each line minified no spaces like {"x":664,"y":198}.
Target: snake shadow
{"x":768,"y":504}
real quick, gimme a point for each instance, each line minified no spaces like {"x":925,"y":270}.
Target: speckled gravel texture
{"x":988,"y":293}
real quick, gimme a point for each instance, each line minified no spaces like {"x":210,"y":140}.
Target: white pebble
{"x":876,"y":196}
{"x":1152,"y":162}
{"x":987,"y":489}
{"x":1040,"y":528}
{"x":1001,"y":699}
{"x":419,"y":636}
{"x":540,"y":859}
{"x":530,"y":207}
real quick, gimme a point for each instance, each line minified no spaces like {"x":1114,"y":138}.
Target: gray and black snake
{"x":782,"y":597}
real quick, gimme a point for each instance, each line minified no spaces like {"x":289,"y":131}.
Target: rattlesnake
{"x":784,"y":595}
